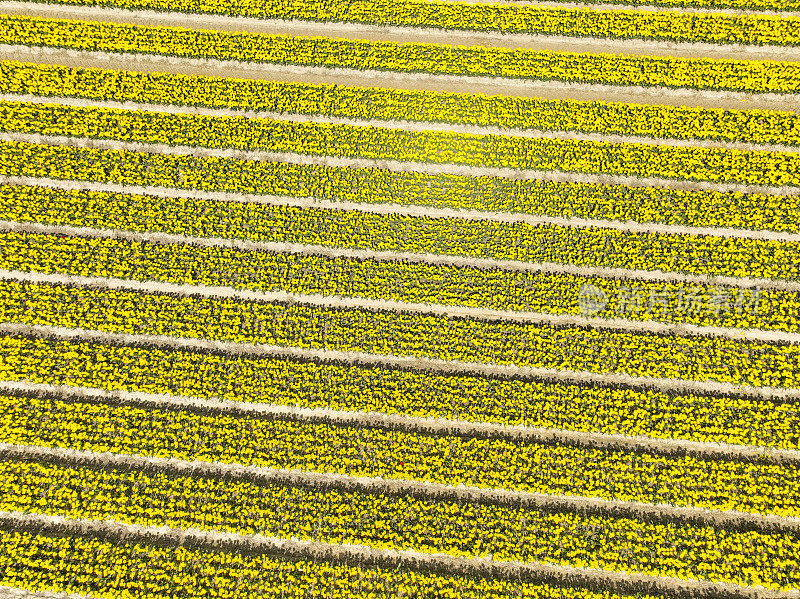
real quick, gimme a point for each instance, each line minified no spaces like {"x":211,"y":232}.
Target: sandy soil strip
{"x":319,"y":481}
{"x":394,"y":165}
{"x":389,"y":360}
{"x":7,"y":592}
{"x":517,"y":433}
{"x":405,"y":210}
{"x":413,"y":126}
{"x":340,"y":30}
{"x":410,"y":257}
{"x":551,"y":90}
{"x":350,"y":553}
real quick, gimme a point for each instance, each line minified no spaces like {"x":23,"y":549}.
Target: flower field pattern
{"x":311,"y":299}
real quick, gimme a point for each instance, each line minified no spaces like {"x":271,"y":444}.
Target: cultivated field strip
{"x":399,"y":283}
{"x":637,"y":32}
{"x":777,"y":77}
{"x":346,"y":141}
{"x":725,"y":7}
{"x":596,"y":164}
{"x":589,"y":413}
{"x":376,"y":185}
{"x":713,"y":29}
{"x":259,"y":228}
{"x":47,"y":198}
{"x":283,"y":320}
{"x":400,"y":299}
{"x":420,"y":82}
{"x":32,"y":345}
{"x":395,"y":451}
{"x":358,"y":570}
{"x":427,"y":491}
{"x":234,"y":502}
{"x":401,"y":108}
{"x":411,"y":126}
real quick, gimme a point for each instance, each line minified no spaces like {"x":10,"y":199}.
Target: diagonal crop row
{"x":587,"y":407}
{"x":714,"y":28}
{"x":418,"y":234}
{"x":757,"y":485}
{"x":147,"y":566}
{"x":751,"y":76}
{"x":334,"y":326}
{"x":513,"y":113}
{"x":381,"y":186}
{"x":716,"y":165}
{"x":462,"y":528}
{"x":291,"y":270}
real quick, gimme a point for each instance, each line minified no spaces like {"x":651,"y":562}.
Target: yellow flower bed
{"x":607,"y":69}
{"x":373,"y":185}
{"x":749,"y":485}
{"x":718,"y":165}
{"x":461,"y":528}
{"x":757,"y":29}
{"x":713,"y":417}
{"x":507,"y":112}
{"x":399,"y":280}
{"x":483,"y":239}
{"x":523,"y":344}
{"x":144,"y":570}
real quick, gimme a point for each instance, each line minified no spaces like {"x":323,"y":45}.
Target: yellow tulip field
{"x":400,"y":299}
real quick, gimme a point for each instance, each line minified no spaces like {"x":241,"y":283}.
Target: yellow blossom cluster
{"x":380,"y":186}
{"x":387,"y":332}
{"x":754,"y":76}
{"x":756,"y":485}
{"x":441,"y":147}
{"x":438,"y":525}
{"x":610,"y":409}
{"x":505,"y":112}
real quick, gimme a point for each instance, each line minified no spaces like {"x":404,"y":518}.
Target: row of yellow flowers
{"x":744,"y":484}
{"x":506,"y":112}
{"x":399,"y":280}
{"x":461,"y":528}
{"x":715,"y":28}
{"x":139,"y":570}
{"x":439,"y":147}
{"x":616,"y":409}
{"x":374,"y":185}
{"x":635,"y":353}
{"x":484,"y":239}
{"x":755,"y":76}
